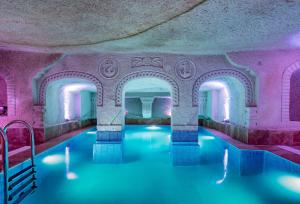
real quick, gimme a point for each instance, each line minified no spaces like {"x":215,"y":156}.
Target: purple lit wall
{"x":3,"y":92}
{"x":161,"y":107}
{"x":295,"y":96}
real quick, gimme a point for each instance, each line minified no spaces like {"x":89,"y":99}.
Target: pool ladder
{"x":22,"y":183}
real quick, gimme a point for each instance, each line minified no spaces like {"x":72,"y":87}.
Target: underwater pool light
{"x":71,"y":176}
{"x":53,"y":159}
{"x":206,"y":138}
{"x":153,"y":127}
{"x":91,"y":132}
{"x":290,"y":182}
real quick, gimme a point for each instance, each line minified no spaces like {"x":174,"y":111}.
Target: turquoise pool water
{"x":146,"y":169}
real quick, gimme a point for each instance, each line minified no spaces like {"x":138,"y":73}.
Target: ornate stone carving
{"x":185,"y":69}
{"x":286,"y":87}
{"x":70,"y":74}
{"x":11,"y":90}
{"x":146,"y":61}
{"x":171,"y":81}
{"x":109,"y":68}
{"x":244,"y":79}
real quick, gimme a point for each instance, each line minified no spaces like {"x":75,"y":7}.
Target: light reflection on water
{"x":147,"y":168}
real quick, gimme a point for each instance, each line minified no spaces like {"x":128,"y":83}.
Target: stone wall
{"x":263,"y":74}
{"x":60,"y":129}
{"x":254,"y":136}
{"x":183,"y":73}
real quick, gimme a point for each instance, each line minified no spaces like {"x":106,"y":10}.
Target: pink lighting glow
{"x":219,"y":85}
{"x":69,"y":175}
{"x":70,"y":89}
{"x":295,"y":40}
{"x":168,"y":107}
{"x":225,"y":163}
{"x":290,"y":182}
{"x":168,"y":112}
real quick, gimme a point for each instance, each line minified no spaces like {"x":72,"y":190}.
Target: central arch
{"x":171,"y":81}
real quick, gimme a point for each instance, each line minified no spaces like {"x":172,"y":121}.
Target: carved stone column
{"x":147,"y":106}
{"x":110,"y":118}
{"x":185,"y":115}
{"x":185,"y":124}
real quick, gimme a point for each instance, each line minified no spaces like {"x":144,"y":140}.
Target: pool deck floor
{"x":291,"y":153}
{"x":24,"y":155}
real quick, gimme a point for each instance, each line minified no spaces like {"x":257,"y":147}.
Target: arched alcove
{"x":248,"y":84}
{"x":147,"y":100}
{"x":294,"y":110}
{"x":70,"y":101}
{"x":222,"y":99}
{"x":70,"y":74}
{"x":8,"y":86}
{"x":3,"y":97}
{"x":290,"y":93}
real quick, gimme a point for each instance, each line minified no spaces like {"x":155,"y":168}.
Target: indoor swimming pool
{"x":146,"y":168}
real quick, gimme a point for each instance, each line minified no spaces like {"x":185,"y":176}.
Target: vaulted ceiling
{"x":171,"y":26}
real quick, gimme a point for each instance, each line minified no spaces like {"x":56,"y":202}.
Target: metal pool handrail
{"x":4,"y":164}
{"x":29,"y":127}
{"x":11,"y":183}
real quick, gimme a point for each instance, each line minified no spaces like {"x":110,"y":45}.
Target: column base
{"x":184,"y":136}
{"x":108,"y":152}
{"x":110,"y":136}
{"x":185,"y":154}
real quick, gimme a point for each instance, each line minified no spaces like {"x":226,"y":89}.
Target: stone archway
{"x":124,"y":80}
{"x":70,"y":74}
{"x":286,"y":87}
{"x":248,"y":84}
{"x":11,"y":91}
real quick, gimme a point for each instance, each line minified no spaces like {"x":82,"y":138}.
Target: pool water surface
{"x":146,"y":168}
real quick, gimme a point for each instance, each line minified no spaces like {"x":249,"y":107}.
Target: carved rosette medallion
{"x":185,"y":69}
{"x":109,"y":68}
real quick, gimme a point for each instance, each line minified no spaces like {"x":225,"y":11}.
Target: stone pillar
{"x":252,"y":114}
{"x":147,"y":106}
{"x":202,"y":101}
{"x":110,"y":119}
{"x":185,"y":118}
{"x":109,"y":123}
{"x":38,"y":123}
